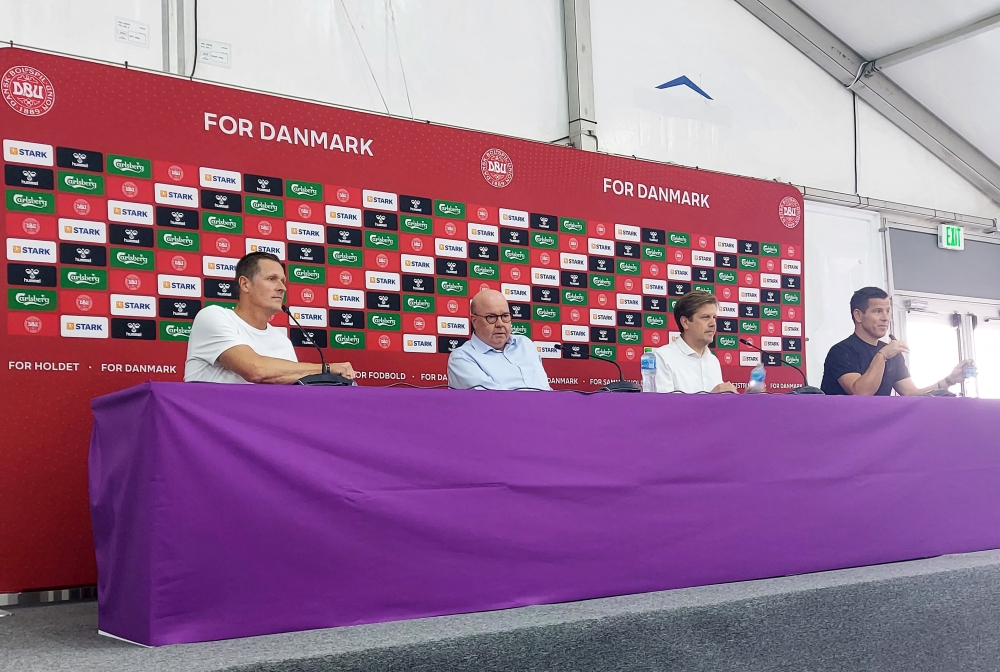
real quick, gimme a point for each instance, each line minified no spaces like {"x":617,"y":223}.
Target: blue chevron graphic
{"x":684,"y":81}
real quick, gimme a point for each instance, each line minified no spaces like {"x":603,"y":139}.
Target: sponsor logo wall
{"x":387,"y":228}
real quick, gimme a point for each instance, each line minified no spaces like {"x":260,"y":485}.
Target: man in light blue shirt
{"x":494,"y":359}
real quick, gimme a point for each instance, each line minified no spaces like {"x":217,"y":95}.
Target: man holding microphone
{"x":863,"y":365}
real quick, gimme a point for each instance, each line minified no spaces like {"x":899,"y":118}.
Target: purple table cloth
{"x":225,"y":511}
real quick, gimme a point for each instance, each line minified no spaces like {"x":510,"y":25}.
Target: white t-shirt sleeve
{"x":212,"y":333}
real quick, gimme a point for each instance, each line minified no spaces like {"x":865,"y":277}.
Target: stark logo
{"x":789,"y":212}
{"x":498,"y":169}
{"x":28,"y":91}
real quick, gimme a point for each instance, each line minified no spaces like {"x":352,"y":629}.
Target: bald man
{"x":493,"y":358}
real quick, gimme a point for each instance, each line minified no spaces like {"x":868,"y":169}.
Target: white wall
{"x":496,"y":67}
{"x":894,"y":167}
{"x":84,"y":28}
{"x":774,"y":114}
{"x":843,"y":253}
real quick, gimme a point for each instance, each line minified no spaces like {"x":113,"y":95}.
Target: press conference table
{"x":230,"y":511}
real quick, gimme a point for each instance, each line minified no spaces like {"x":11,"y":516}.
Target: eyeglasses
{"x":492,"y":319}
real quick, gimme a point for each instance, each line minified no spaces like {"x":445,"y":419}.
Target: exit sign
{"x":951,"y":237}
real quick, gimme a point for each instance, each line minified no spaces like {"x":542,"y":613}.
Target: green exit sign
{"x":951,"y":237}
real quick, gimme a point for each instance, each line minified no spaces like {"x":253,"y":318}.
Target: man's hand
{"x":957,"y":374}
{"x":725,"y":387}
{"x":344,"y":369}
{"x":893,"y":349}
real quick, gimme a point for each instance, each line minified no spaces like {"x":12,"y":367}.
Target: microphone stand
{"x":805,"y":388}
{"x":325,"y":377}
{"x":620,"y":385}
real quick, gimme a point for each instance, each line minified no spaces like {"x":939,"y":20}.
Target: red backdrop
{"x":605,"y":242}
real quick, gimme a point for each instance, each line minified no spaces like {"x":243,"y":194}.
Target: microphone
{"x":805,"y":388}
{"x":582,"y":352}
{"x":325,"y":377}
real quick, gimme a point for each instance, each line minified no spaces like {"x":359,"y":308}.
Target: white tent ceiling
{"x":958,"y":82}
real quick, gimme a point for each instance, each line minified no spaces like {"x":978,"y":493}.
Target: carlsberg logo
{"x":345,"y":257}
{"x":449,"y":209}
{"x":347,"y":339}
{"x":37,"y":300}
{"x":379,"y":241}
{"x":128,"y":166}
{"x":481,"y":271}
{"x":515,"y":255}
{"x":304,"y":190}
{"x":179,"y":331}
{"x":83,"y":278}
{"x":265,"y":206}
{"x":600,"y":281}
{"x":628,"y":266}
{"x":574,"y":297}
{"x":545,"y":313}
{"x":383,"y":321}
{"x":451,"y":286}
{"x":418,"y":304}
{"x":26,"y":201}
{"x":630,"y":336}
{"x":74,"y":182}
{"x":221,"y":222}
{"x":306,"y":274}
{"x":654,"y":252}
{"x":173,"y":239}
{"x":130,"y":259}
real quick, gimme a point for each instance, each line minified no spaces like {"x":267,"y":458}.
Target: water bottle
{"x":648,"y":361}
{"x":971,"y":380}
{"x":757,"y":377}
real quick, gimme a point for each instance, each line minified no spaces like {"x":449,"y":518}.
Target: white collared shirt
{"x":679,"y":368}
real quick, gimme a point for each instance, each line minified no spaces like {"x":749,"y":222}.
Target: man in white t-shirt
{"x":239,"y":346}
{"x":687,"y":364}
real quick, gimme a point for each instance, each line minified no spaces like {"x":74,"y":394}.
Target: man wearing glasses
{"x":493,"y":359}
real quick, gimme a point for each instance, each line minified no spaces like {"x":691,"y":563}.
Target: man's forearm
{"x":270,"y":370}
{"x":869,"y":382}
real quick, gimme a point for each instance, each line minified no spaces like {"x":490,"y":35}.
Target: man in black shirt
{"x":861,"y":364}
